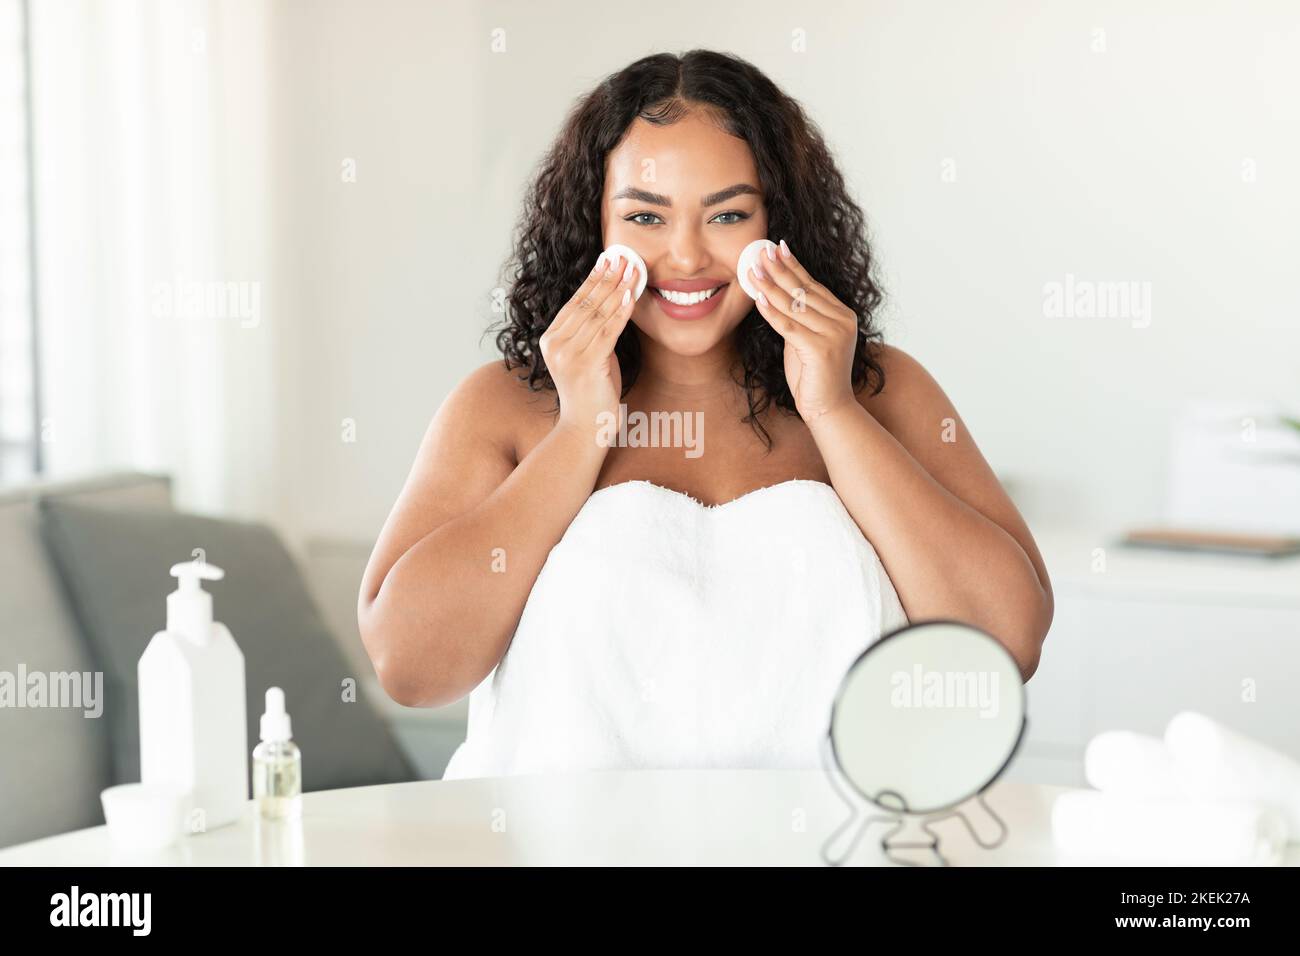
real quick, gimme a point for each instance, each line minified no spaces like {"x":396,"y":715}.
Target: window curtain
{"x":157,"y":329}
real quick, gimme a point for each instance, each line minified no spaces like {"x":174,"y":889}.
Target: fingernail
{"x":627,"y":273}
{"x":758,"y":270}
{"x":785,"y":250}
{"x":601,"y":266}
{"x":771,"y":253}
{"x":762,"y":299}
{"x":627,"y":295}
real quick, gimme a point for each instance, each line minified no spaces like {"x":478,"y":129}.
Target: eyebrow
{"x":712,"y":199}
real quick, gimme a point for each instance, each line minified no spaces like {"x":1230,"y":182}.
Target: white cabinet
{"x":1151,"y":633}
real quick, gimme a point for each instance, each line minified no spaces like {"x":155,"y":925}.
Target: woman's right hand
{"x":578,"y":347}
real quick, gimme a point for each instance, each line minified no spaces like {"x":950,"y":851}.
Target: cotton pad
{"x":748,"y":256}
{"x":616,"y":250}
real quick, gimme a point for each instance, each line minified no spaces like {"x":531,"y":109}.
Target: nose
{"x":688,"y":253}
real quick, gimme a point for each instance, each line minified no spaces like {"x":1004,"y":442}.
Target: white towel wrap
{"x":663,"y":633}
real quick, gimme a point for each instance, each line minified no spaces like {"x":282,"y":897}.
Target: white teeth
{"x":687,"y":298}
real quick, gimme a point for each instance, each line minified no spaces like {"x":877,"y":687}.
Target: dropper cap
{"x":275,"y":722}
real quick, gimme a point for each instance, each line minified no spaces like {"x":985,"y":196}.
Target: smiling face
{"x":687,"y":198}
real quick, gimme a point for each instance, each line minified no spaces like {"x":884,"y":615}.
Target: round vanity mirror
{"x":927,"y":717}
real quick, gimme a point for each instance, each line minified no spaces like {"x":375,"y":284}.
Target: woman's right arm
{"x":458,"y":556}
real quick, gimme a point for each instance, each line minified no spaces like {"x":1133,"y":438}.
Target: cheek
{"x":738,"y":304}
{"x":615,"y":230}
{"x":751,"y":229}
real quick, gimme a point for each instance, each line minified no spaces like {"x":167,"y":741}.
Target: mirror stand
{"x":897,"y":814}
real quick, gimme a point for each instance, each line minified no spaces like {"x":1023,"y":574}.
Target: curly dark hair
{"x":559,"y":231}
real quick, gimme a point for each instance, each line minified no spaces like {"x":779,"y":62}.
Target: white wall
{"x":384,"y":276}
{"x":1117,"y":165}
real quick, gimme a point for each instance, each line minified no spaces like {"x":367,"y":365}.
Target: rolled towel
{"x":1122,"y":761}
{"x":1174,"y":831}
{"x":1222,"y":763}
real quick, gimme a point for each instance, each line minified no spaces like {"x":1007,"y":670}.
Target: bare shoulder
{"x":467,"y":451}
{"x":910,"y":396}
{"x":494,"y":387}
{"x":494,"y":403}
{"x":914,"y":408}
{"x":916,"y":411}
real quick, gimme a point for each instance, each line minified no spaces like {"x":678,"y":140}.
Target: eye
{"x":636,"y":216}
{"x":740,"y":217}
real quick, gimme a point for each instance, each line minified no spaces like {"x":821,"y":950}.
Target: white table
{"x":719,"y":817}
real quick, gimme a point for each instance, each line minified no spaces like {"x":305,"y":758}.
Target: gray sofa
{"x":54,"y":761}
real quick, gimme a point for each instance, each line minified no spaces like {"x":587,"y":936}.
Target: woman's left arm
{"x":953,"y":543}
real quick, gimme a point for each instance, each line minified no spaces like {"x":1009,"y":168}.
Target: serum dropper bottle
{"x":277,"y":763}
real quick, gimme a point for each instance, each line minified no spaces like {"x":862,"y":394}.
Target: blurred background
{"x":248,"y":247}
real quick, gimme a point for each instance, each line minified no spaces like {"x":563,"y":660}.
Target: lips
{"x":688,"y":298}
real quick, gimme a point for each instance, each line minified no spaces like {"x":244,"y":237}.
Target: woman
{"x":700,"y":600}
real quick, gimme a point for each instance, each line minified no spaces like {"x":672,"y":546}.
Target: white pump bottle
{"x":193,"y":724}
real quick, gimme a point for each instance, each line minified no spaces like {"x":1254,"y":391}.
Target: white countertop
{"x":670,"y":817}
{"x":1162,"y":574}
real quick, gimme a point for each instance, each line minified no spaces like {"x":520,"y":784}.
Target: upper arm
{"x":468,"y":450}
{"x":918,"y":413}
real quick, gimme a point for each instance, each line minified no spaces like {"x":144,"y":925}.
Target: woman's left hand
{"x":820,"y":333}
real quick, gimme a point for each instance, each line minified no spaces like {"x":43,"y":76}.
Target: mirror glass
{"x":928,"y":716}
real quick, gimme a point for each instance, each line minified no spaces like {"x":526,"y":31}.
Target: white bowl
{"x":143,"y":816}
